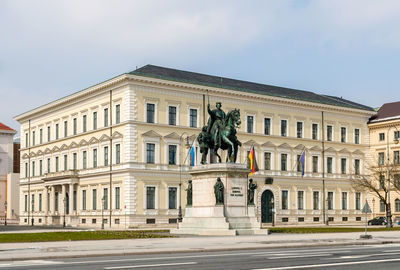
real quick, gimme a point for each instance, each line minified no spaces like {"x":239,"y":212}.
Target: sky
{"x":52,"y":48}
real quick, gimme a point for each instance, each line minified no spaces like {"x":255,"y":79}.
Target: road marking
{"x":29,"y":263}
{"x":367,"y":255}
{"x":328,"y":264}
{"x":149,"y":265}
{"x":299,"y":256}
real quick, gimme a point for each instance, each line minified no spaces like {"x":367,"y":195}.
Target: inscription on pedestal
{"x":237,"y":192}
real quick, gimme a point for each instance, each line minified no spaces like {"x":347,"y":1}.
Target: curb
{"x":194,"y":250}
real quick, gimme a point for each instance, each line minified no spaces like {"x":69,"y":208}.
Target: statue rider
{"x":217,"y":118}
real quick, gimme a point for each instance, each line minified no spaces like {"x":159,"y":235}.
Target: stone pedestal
{"x":204,"y":217}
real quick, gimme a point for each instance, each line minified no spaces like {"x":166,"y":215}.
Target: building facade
{"x":385,"y":148}
{"x":115,"y":152}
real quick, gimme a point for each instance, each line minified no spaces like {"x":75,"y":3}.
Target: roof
{"x":388,"y":111}
{"x":6,"y":128}
{"x":227,"y":83}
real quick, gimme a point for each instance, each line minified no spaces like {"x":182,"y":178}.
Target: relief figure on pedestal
{"x":189,"y":194}
{"x":219,"y":192}
{"x":250,"y":192}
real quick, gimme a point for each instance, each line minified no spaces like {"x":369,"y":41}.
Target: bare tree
{"x":376,"y":181}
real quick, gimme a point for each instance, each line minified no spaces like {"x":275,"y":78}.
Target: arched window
{"x":397,"y":205}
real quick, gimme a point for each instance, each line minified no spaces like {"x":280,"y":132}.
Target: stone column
{"x":61,"y":201}
{"x":71,"y":199}
{"x":52,"y":200}
{"x":44,"y":202}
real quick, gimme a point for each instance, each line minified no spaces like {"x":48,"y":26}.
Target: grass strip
{"x":327,"y":229}
{"x":80,"y":235}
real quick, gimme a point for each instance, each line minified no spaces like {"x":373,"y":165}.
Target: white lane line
{"x":149,"y":265}
{"x":328,"y":264}
{"x":299,"y":256}
{"x":28,"y":263}
{"x":298,"y":253}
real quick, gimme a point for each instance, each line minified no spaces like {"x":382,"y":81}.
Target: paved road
{"x":335,"y":257}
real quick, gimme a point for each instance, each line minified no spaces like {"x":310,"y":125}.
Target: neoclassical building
{"x":115,"y":152}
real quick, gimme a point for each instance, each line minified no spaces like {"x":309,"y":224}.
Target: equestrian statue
{"x":220,"y":133}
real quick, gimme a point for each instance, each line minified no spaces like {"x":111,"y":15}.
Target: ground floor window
{"x":172,"y":194}
{"x":316,"y":200}
{"x":150,"y":197}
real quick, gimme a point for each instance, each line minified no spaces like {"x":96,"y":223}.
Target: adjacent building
{"x":115,"y":153}
{"x":385,"y":148}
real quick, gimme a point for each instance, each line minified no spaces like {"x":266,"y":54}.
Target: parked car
{"x":377,"y":221}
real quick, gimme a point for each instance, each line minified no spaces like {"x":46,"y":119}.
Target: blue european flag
{"x":302,"y":159}
{"x":192,"y":156}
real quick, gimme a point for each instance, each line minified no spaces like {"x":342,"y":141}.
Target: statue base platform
{"x":234,"y":217}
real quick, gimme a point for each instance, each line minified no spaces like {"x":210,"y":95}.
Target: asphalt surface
{"x":334,"y":257}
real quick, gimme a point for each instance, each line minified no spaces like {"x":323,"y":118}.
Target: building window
{"x":172,"y":197}
{"x":397,"y":205}
{"x":75,"y":126}
{"x":150,"y":148}
{"x":84,"y":159}
{"x":40,"y":167}
{"x":26,"y":203}
{"x":117,"y":114}
{"x":83,"y":199}
{"x":250,"y":124}
{"x":48,"y":165}
{"x":193,"y":118}
{"x":106,"y":117}
{"x":357,"y":166}
{"x":381,"y":158}
{"x":396,"y":157}
{"x":316,"y":200}
{"x":381,"y":136}
{"x":356,"y":136}
{"x":41,"y":136}
{"x":344,"y":200}
{"x":33,"y":202}
{"x":299,"y":166}
{"x":117,"y":198}
{"x":106,"y":156}
{"x":74,"y":200}
{"x":94,"y":199}
{"x":283,"y":162}
{"x":171,"y":154}
{"x":48,"y":134}
{"x":284,"y":199}
{"x":65,"y":162}
{"x":57,"y":164}
{"x":84,"y":123}
{"x":267,"y":161}
{"x":329,"y":133}
{"x":26,"y":170}
{"x":57,"y":132}
{"x":396,"y":178}
{"x":94,"y":120}
{"x":33,"y":168}
{"x":56,"y":202}
{"x":150,"y":112}
{"x":358,"y":200}
{"x":172,"y":115}
{"x":330,"y":200}
{"x":299,"y":129}
{"x":40,"y":202}
{"x":117,"y":153}
{"x":382,"y":206}
{"x":382,"y":181}
{"x":329,"y":161}
{"x":105,"y":198}
{"x":75,"y":161}
{"x":343,"y":162}
{"x":343,"y":134}
{"x":284,"y":128}
{"x":315,"y":131}
{"x":26,"y":140}
{"x":65,"y":129}
{"x":300,"y":200}
{"x":267,"y":126}
{"x":315,"y":164}
{"x":94,"y":158}
{"x":150,"y":197}
{"x":396,"y":134}
{"x":33,"y":138}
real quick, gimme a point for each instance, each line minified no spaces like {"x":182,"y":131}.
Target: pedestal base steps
{"x":235,"y":217}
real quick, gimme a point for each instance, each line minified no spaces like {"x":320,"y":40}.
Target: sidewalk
{"x":53,"y":250}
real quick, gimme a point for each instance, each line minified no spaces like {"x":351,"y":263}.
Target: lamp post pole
{"x":32,"y":204}
{"x":389,"y":210}
{"x":102,"y":213}
{"x":180,"y":174}
{"x":65,"y":209}
{"x":373,"y":208}
{"x":5,"y":213}
{"x":273,"y":212}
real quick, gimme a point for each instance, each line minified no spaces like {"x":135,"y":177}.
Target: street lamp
{"x":33,"y":203}
{"x":102,"y":213}
{"x":187,"y":145}
{"x":389,"y":211}
{"x":272,"y":210}
{"x":65,"y":208}
{"x":5,"y":213}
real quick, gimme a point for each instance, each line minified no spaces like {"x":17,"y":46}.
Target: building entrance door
{"x":267,"y":203}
